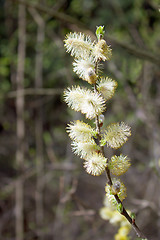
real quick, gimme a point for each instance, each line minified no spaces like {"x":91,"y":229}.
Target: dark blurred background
{"x":45,"y":192}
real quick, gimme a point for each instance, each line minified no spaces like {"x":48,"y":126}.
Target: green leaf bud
{"x":100,"y":32}
{"x":120,"y":207}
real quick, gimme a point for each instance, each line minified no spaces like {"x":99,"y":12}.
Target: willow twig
{"x":108,"y":175}
{"x":34,"y":91}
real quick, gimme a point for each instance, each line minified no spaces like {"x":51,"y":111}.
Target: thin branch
{"x":71,"y":192}
{"x":88,"y":212}
{"x":8,"y":188}
{"x":33,"y":91}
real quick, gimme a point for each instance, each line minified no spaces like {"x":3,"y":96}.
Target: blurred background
{"x":45,"y":193}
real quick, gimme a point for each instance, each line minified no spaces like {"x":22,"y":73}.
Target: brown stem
{"x":130,"y":220}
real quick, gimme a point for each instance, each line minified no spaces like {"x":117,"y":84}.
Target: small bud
{"x":133,"y":216}
{"x":100,"y":32}
{"x":102,"y":44}
{"x":120,"y":207}
{"x":102,"y":51}
{"x":96,"y":140}
{"x":91,"y":76}
{"x":116,"y":187}
{"x":101,"y":120}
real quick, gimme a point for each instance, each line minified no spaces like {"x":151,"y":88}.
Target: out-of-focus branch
{"x":31,"y":173}
{"x":88,"y":212}
{"x":52,"y":12}
{"x":39,"y":117}
{"x":33,"y":91}
{"x":78,"y":25}
{"x":140,"y":53}
{"x":20,"y":121}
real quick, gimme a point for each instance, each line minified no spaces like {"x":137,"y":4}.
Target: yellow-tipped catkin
{"x":116,"y":134}
{"x":114,"y":217}
{"x":107,"y":87}
{"x":95,"y":164}
{"x":118,"y":165}
{"x":78,"y":44}
{"x":83,"y":149}
{"x":123,"y":233}
{"x":117,"y":188}
{"x":102,"y":51}
{"x":85,"y":69}
{"x":88,"y":102}
{"x":73,"y":97}
{"x":106,"y":213}
{"x":80,"y":131}
{"x":109,"y":212}
{"x":91,"y":76}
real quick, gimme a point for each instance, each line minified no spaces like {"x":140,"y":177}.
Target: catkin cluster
{"x":88,"y":141}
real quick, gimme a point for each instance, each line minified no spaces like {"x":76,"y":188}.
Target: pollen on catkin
{"x":116,"y":187}
{"x":95,"y":164}
{"x":73,"y":97}
{"x":85,"y":69}
{"x":107,"y":87}
{"x":102,"y":51}
{"x":78,"y":44}
{"x":88,"y":102}
{"x":80,"y":131}
{"x":106,"y":213}
{"x":82,"y":149}
{"x":94,"y":104}
{"x":116,"y":134}
{"x":118,"y":165}
{"x":111,"y":191}
{"x":123,"y":233}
